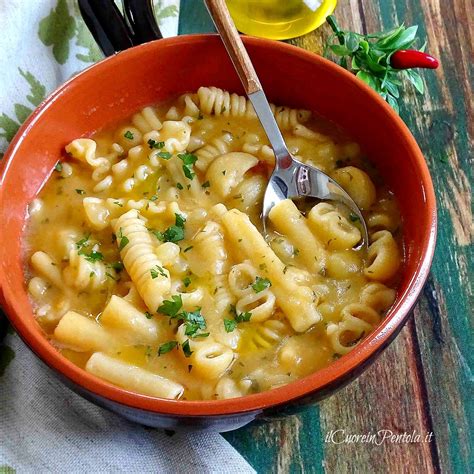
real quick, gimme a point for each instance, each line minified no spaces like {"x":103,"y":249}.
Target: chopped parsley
{"x":174,"y":233}
{"x":171,"y":307}
{"x":261,"y":284}
{"x":83,"y":242}
{"x":167,"y":347}
{"x":156,"y":271}
{"x":186,"y":282}
{"x":93,"y":256}
{"x":239,"y":317}
{"x":187,"y":249}
{"x":194,"y":321}
{"x":188,"y":160}
{"x":179,"y":186}
{"x":118,"y":203}
{"x":354,"y":217}
{"x":148,"y":315}
{"x":230,"y":325}
{"x":180,"y":220}
{"x":82,"y":249}
{"x":186,"y":348}
{"x":58,"y":167}
{"x":153,"y":144}
{"x":165,"y":155}
{"x":123,"y":240}
{"x":128,"y":135}
{"x":81,"y":192}
{"x":206,"y":184}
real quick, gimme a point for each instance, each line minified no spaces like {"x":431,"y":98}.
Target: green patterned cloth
{"x":45,"y":427}
{"x":44,"y":43}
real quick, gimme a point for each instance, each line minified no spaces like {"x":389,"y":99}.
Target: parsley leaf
{"x":156,"y":271}
{"x":188,"y":160}
{"x":93,"y":256}
{"x":194,"y":321}
{"x":167,"y":347}
{"x":148,"y":315}
{"x":83,"y":242}
{"x":261,"y":284}
{"x":180,"y":220}
{"x":153,"y":144}
{"x":128,"y":135}
{"x":230,"y":325}
{"x":174,"y":233}
{"x":123,"y":240}
{"x":81,"y":192}
{"x":354,"y":217}
{"x":171,"y":307}
{"x":241,"y":317}
{"x":58,"y":167}
{"x":186,"y":348}
{"x":186,"y":282}
{"x":165,"y":155}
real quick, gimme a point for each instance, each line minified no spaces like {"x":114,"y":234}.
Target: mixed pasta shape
{"x":147,"y":266}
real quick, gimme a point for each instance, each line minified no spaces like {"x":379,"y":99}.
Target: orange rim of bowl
{"x":325,"y":378}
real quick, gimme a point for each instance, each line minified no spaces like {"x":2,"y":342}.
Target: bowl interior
{"x":155,"y":72}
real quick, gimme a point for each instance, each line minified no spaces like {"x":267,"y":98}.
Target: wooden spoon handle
{"x":225,"y":26}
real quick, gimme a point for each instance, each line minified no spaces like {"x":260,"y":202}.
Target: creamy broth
{"x":147,"y":268}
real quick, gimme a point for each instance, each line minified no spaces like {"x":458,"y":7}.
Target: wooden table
{"x":423,"y":381}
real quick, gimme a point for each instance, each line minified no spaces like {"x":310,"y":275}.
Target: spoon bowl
{"x":303,"y":181}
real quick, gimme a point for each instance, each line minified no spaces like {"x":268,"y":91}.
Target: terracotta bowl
{"x":114,"y":89}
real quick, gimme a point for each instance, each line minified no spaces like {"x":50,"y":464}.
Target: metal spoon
{"x":290,"y":179}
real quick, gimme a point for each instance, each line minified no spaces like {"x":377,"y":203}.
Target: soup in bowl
{"x":149,"y":284}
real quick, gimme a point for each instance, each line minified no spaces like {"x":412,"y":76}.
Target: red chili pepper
{"x":409,"y":58}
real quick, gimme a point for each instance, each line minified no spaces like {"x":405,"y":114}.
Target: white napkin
{"x":45,"y":427}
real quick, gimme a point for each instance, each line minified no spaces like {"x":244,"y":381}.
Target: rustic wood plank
{"x":440,"y":122}
{"x":444,"y":318}
{"x":292,"y":444}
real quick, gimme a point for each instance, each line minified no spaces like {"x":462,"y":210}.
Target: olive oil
{"x":279,"y":19}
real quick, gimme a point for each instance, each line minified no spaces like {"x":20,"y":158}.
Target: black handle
{"x":141,"y":18}
{"x":114,"y":33}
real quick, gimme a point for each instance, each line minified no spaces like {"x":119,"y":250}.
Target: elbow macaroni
{"x":153,"y":273}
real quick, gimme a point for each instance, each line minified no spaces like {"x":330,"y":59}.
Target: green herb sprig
{"x":174,"y":233}
{"x":194,"y":321}
{"x":368,"y":57}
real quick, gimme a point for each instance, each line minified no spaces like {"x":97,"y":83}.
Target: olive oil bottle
{"x":279,"y":19}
